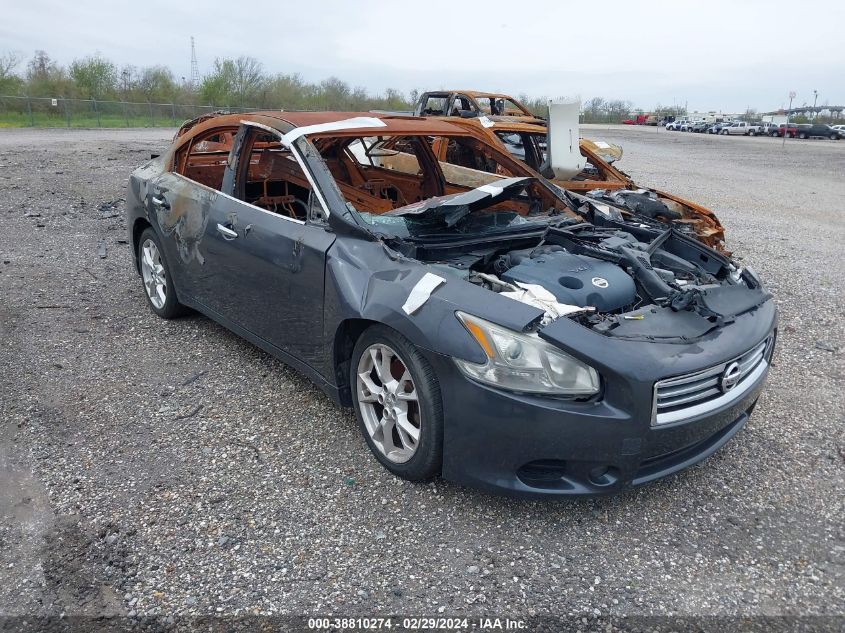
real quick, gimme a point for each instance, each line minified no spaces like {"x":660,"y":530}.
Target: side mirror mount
{"x":315,"y":210}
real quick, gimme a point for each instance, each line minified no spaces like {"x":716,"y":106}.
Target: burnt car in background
{"x":472,"y":103}
{"x":601,"y":181}
{"x":484,"y":324}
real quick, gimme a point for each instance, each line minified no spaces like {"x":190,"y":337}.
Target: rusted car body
{"x":472,"y":103}
{"x":601,"y":183}
{"x":484,"y":324}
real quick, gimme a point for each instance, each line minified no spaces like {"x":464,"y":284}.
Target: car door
{"x":266,"y":266}
{"x":257,"y":269}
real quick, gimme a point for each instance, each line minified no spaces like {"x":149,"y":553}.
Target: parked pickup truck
{"x":790,"y":129}
{"x":818,"y":130}
{"x":742,"y":128}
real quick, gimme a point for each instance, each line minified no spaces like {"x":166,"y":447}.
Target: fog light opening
{"x":604,"y":475}
{"x":549,"y":474}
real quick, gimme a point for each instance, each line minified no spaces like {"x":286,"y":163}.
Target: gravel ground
{"x":153,"y":467}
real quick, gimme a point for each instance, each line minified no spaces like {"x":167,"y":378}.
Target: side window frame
{"x":316,"y":216}
{"x":180,"y":160}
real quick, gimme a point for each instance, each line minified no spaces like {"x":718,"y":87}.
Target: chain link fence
{"x":89,"y":113}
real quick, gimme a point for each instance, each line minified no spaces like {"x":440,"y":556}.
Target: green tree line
{"x":240,"y":82}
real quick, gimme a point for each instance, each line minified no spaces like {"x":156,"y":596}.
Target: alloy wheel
{"x":389,"y":403}
{"x":152,"y":271}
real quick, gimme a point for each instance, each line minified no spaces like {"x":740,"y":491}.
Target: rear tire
{"x":396,"y":396}
{"x":156,"y":277}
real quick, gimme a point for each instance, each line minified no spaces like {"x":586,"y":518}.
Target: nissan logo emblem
{"x":600,"y":282}
{"x":730,"y":377}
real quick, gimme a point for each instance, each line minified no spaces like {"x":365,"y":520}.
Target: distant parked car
{"x":699,"y":126}
{"x":818,"y":130}
{"x":686,"y":126}
{"x":790,"y":129}
{"x":769,"y":129}
{"x":839,"y":128}
{"x":743,"y":128}
{"x":718,"y":127}
{"x":674,"y":125}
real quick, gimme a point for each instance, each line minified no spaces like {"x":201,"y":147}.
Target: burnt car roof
{"x":472,"y":93}
{"x":286,"y":121}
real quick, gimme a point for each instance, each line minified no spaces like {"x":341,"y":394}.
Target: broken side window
{"x":203,"y":158}
{"x":463,"y":105}
{"x":511,"y":108}
{"x":270,"y":177}
{"x":487,"y":105}
{"x":394,"y":153}
{"x":377,"y":174}
{"x":514,"y":143}
{"x":436,"y":105}
{"x":467,"y":163}
{"x":529,"y":148}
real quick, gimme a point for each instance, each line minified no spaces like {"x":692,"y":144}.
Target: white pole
{"x":786,"y":126}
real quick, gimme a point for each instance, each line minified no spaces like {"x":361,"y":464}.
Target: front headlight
{"x":524,"y":362}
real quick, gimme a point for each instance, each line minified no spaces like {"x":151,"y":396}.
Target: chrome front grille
{"x":699,"y":392}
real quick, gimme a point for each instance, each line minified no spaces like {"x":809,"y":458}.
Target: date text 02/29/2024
{"x":417,"y":623}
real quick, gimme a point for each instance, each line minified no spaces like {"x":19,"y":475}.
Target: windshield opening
{"x":415,"y":186}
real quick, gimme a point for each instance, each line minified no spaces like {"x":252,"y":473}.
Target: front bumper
{"x":523,"y":445}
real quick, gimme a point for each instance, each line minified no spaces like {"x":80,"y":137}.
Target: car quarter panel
{"x":365,"y":279}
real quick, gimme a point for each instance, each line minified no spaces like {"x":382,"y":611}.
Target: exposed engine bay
{"x":632,"y":276}
{"x":645,"y":207}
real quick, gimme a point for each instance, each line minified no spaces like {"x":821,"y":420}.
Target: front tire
{"x":397,"y":402}
{"x":156,"y":277}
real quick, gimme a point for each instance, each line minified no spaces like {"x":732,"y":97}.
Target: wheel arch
{"x":346,"y":335}
{"x":140,"y":225}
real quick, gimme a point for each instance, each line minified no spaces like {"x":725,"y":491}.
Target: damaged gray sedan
{"x":486,"y":325}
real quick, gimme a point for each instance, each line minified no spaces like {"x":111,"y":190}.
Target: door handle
{"x":226,"y":232}
{"x":161,"y":203}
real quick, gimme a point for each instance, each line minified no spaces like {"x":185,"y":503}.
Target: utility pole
{"x":786,"y":127}
{"x":815,"y":98}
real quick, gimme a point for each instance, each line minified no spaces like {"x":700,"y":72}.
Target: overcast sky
{"x":711,"y":55}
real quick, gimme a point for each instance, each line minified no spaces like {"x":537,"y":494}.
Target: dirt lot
{"x":152,"y":467}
